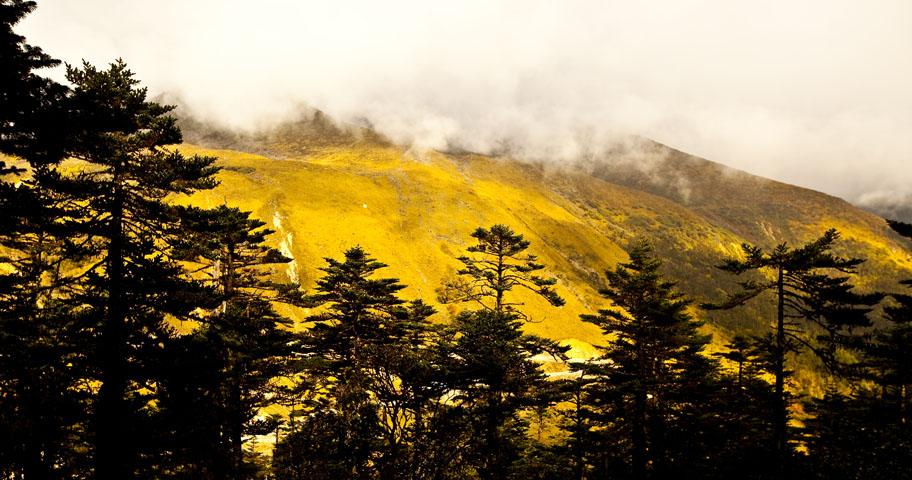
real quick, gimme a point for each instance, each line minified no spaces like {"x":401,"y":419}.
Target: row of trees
{"x":139,"y":338}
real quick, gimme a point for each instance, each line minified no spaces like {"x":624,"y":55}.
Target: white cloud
{"x":810,"y":92}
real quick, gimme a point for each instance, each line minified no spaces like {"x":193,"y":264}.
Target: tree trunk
{"x":740,"y":375}
{"x":579,"y":461}
{"x":237,"y":431}
{"x":498,"y":304}
{"x":639,"y":418}
{"x":781,"y":420}
{"x":902,"y":403}
{"x":112,"y":459}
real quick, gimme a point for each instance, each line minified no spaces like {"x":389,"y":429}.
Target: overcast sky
{"x":815,"y":93}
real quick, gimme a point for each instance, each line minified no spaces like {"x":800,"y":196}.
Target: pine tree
{"x":368,"y":350}
{"x":127,"y":177}
{"x":802,"y":289}
{"x":360,"y":311}
{"x":491,"y":370}
{"x":497,"y":266}
{"x":490,"y":358}
{"x":651,"y":382}
{"x":743,"y":408}
{"x":865,"y":434}
{"x":242,"y":344}
{"x":32,"y":123}
{"x":42,"y":361}
{"x":889,"y":363}
{"x":410,"y":392}
{"x":856,"y":437}
{"x":42,"y":407}
{"x":581,"y":432}
{"x":888,"y":360}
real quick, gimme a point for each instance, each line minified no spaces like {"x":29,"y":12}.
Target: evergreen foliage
{"x":136,"y":282}
{"x":803,"y":289}
{"x":865,"y":434}
{"x":31,"y":117}
{"x":139,"y":338}
{"x":494,"y":379}
{"x":887,"y":361}
{"x":743,"y":408}
{"x":42,"y":362}
{"x":489,"y":358}
{"x":856,"y":437}
{"x":241,"y":346}
{"x":370,"y":354}
{"x":497,"y":266}
{"x":651,"y":387}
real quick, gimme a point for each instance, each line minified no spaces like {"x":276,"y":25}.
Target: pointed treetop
{"x":499,"y":265}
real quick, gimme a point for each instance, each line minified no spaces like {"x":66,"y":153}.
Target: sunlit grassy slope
{"x":326,"y":188}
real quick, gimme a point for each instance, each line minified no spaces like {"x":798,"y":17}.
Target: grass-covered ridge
{"x":326,"y":187}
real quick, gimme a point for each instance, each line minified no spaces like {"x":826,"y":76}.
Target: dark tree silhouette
{"x":32,"y":124}
{"x":651,"y":380}
{"x":803,"y":289}
{"x":368,"y":351}
{"x":42,"y":406}
{"x":128,"y":176}
{"x":490,"y":361}
{"x":242,"y":344}
{"x":497,"y":266}
{"x":493,"y":374}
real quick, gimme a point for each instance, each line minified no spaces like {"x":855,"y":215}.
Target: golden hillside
{"x":325,"y":187}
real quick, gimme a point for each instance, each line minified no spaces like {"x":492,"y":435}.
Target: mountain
{"x":325,"y":186}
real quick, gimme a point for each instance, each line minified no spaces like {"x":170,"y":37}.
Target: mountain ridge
{"x":414,"y":210}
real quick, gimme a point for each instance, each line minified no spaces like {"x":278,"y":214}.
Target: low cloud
{"x":888,"y":204}
{"x":814,"y":93}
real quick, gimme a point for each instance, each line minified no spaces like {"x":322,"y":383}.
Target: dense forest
{"x":140,"y":336}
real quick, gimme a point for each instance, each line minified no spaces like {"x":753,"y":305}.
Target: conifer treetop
{"x":499,"y":264}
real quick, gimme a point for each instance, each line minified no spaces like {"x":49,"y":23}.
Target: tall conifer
{"x":651,"y":382}
{"x":807,"y":283}
{"x":126,"y":176}
{"x":367,"y":348}
{"x":241,"y":345}
{"x":42,"y":408}
{"x":497,"y":265}
{"x":490,"y":358}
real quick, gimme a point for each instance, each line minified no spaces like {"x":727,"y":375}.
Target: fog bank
{"x":813,"y":93}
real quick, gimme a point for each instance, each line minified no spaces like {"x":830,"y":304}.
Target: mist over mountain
{"x":892,"y":205}
{"x":633,"y":159}
{"x":813,"y":94}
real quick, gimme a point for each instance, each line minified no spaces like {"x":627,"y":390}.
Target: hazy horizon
{"x":810,"y":93}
